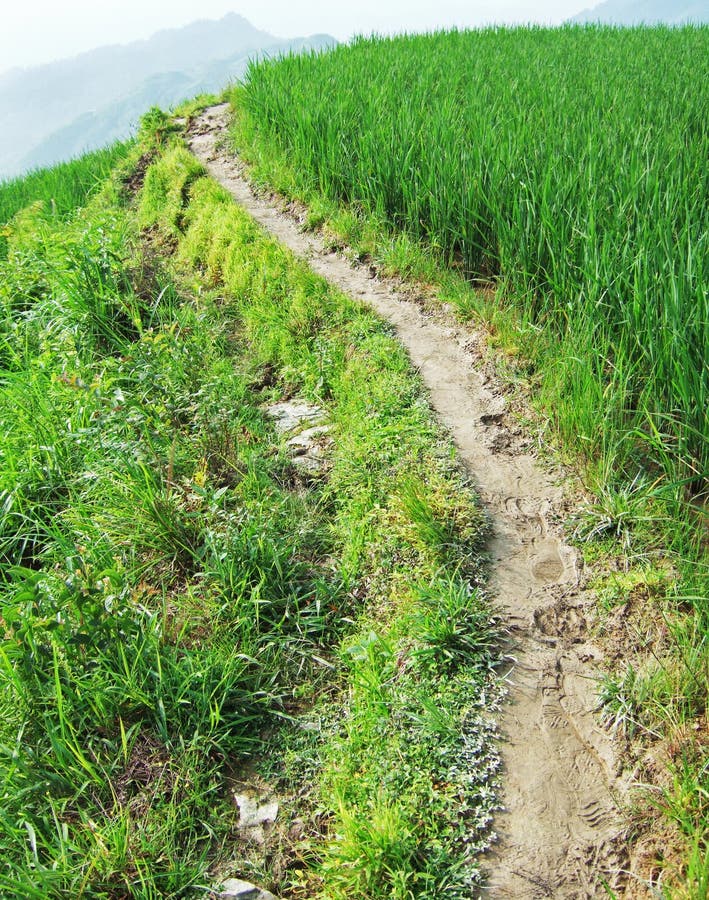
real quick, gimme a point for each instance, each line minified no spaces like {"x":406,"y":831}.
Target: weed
{"x":617,"y":511}
{"x":453,"y":624}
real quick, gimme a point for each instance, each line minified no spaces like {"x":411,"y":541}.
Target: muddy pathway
{"x":560,"y":834}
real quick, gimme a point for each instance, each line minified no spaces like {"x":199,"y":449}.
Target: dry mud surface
{"x":561,"y":833}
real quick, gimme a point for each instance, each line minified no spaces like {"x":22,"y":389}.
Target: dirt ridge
{"x":561,"y":834}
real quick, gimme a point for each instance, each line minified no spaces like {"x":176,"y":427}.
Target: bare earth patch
{"x":562,"y":832}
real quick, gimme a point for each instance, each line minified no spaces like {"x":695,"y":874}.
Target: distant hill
{"x":646,"y":12}
{"x":53,"y":112}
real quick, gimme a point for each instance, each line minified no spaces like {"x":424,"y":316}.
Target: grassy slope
{"x":599,"y":385}
{"x":180,"y":606}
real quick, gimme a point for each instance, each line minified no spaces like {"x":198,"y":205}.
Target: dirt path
{"x":560,"y":832}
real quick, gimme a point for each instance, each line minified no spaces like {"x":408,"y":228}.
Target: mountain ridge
{"x":644,"y":12}
{"x":52,"y":112}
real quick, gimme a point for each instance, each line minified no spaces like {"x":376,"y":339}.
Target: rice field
{"x":60,"y":189}
{"x":567,"y":164}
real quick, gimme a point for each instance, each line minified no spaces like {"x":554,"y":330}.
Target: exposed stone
{"x":253,"y":814}
{"x":256,"y":815}
{"x":307,"y":433}
{"x":291,"y":414}
{"x":236,"y":889}
{"x":306,"y":441}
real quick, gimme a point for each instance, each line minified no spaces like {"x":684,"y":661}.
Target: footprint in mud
{"x":594,"y":813}
{"x":560,"y":620}
{"x":501,"y":441}
{"x":583,"y":782}
{"x":523,"y":509}
{"x":548,"y":569}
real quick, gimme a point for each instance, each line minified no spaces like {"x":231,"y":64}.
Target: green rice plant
{"x":564,"y":171}
{"x":62,"y":188}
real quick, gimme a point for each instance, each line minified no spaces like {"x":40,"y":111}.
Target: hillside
{"x":53,"y":112}
{"x":238,"y":556}
{"x":645,"y":12}
{"x":353,"y":482}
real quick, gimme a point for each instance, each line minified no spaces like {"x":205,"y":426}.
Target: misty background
{"x":65,"y":106}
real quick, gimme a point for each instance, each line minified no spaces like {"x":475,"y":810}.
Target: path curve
{"x":560,"y":835}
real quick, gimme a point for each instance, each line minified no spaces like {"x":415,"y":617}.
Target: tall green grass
{"x":134,"y":527}
{"x":570,"y":163}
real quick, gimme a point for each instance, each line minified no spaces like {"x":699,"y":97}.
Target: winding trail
{"x":560,"y":835}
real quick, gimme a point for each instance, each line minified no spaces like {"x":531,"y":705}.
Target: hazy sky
{"x":36,"y":31}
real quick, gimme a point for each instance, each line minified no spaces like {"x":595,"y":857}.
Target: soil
{"x":561,"y":833}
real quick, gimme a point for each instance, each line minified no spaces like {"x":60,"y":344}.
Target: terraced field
{"x":353,"y":534}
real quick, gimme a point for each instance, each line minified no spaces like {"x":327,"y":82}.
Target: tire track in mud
{"x":561,"y":832}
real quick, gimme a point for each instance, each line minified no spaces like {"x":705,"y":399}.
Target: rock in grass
{"x":236,"y":889}
{"x":252,"y":813}
{"x":307,"y":433}
{"x":255,"y":817}
{"x":292,"y":415}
